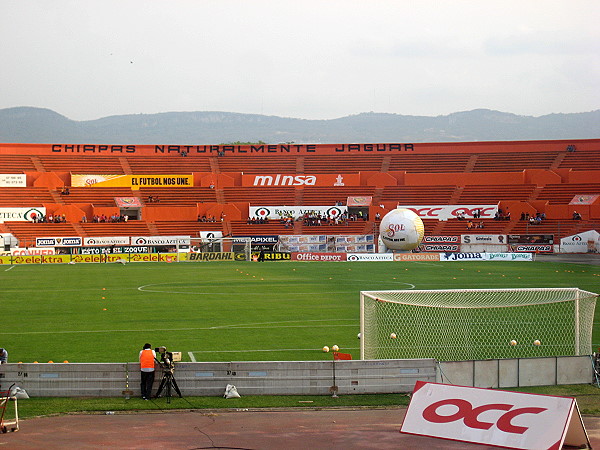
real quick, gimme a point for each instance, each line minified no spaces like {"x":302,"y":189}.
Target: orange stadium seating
{"x":537,"y":176}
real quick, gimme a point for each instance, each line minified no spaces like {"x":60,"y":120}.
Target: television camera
{"x":166,"y":361}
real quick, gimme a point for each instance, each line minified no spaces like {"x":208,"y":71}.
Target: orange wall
{"x":168,"y":213}
{"x":462,"y":179}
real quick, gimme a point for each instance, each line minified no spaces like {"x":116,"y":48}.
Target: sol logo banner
{"x":491,"y":417}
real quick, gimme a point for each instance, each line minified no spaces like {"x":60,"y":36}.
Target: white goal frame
{"x":476,"y":324}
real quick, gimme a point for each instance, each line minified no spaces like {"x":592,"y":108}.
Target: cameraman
{"x":3,"y":356}
{"x":147,"y":357}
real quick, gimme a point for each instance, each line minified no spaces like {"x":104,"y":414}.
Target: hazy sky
{"x":312,"y":59}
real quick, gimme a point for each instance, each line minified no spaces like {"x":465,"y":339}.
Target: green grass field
{"x":227,"y":311}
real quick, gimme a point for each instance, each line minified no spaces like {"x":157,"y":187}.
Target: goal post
{"x":476,"y":324}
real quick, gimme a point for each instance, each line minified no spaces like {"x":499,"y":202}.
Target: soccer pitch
{"x":228,"y":311}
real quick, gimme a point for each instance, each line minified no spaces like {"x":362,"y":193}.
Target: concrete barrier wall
{"x":507,"y":373}
{"x":295,"y":377}
{"x":210,"y":379}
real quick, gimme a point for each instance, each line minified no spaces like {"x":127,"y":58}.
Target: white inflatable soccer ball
{"x":401,"y":229}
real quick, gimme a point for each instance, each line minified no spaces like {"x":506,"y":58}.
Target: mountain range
{"x":40,"y":125}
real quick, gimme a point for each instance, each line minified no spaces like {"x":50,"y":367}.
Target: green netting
{"x":455,"y":325}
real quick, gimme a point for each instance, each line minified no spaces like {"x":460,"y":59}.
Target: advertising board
{"x":492,"y":417}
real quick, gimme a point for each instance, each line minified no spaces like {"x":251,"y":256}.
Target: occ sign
{"x":444,"y":212}
{"x":470,"y":415}
{"x":491,"y":417}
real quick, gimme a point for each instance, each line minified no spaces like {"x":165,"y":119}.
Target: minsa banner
{"x":133,"y":181}
{"x":492,"y":417}
{"x":295,"y":212}
{"x":21,"y":214}
{"x":445,"y":212}
{"x":13,"y":180}
{"x":278,"y":179}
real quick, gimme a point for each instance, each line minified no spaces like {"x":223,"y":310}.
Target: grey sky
{"x":313,"y":59}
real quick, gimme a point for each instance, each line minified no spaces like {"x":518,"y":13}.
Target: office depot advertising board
{"x":492,"y":417}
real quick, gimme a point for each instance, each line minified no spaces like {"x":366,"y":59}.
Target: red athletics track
{"x":240,"y":429}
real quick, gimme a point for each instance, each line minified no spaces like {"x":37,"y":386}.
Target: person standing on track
{"x":3,"y":356}
{"x":147,"y":358}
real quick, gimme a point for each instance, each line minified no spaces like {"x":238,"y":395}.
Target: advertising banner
{"x":354,"y":239}
{"x":216,"y":256}
{"x":531,"y":239}
{"x":273,"y":256}
{"x":128,"y":202}
{"x":359,"y":201}
{"x":445,"y":212}
{"x":28,"y":251}
{"x":160,"y":240}
{"x":354,"y":248}
{"x":211,"y":234}
{"x":439,"y":247}
{"x":586,"y":242}
{"x":100,"y":241}
{"x":584,"y":199}
{"x":266,"y":240}
{"x":372,"y":257}
{"x":71,"y":241}
{"x":492,"y":417}
{"x":441,"y":239}
{"x":487,"y":256}
{"x":295,"y":212}
{"x":534,"y":248}
{"x":112,"y":249}
{"x":318,"y":256}
{"x":416,"y":257}
{"x":13,"y":180}
{"x":21,"y":214}
{"x":494,"y":239}
{"x":305,"y":248}
{"x":303,"y":239}
{"x":132,"y":181}
{"x":294,"y":180}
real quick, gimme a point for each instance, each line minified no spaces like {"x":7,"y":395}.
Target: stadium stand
{"x":532,"y":176}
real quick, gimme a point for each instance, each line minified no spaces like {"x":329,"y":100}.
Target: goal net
{"x":474,"y":324}
{"x":238,"y":249}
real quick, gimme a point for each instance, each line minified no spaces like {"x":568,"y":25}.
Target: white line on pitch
{"x":191,"y":355}
{"x":10,"y":268}
{"x":266,"y":350}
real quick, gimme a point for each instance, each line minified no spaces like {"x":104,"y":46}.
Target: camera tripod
{"x":168,"y":383}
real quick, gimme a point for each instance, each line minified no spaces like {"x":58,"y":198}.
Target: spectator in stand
{"x":576,"y":215}
{"x":469,"y":225}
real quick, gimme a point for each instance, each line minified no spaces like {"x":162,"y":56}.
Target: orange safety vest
{"x":146,"y":359}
